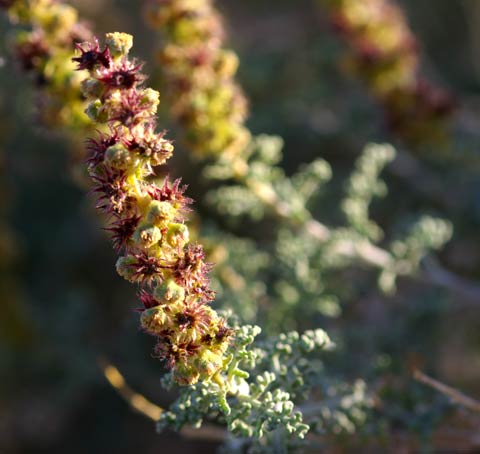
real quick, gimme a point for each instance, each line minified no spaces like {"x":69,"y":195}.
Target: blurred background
{"x":63,"y":305}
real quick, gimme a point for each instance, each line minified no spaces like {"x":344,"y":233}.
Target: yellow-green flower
{"x":148,"y":220}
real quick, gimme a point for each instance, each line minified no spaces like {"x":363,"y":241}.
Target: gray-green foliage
{"x":309,"y":177}
{"x":279,"y":388}
{"x":363,"y":185}
{"x":304,"y":258}
{"x":236,"y":201}
{"x":263,"y":149}
{"x":239,"y":275}
{"x":265,"y":381}
{"x":425,"y":234}
{"x":301,"y":279}
{"x":265,"y":187}
{"x":344,"y":408}
{"x":307,"y":261}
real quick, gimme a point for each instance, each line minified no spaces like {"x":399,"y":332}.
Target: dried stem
{"x":138,"y":402}
{"x":142,"y":405}
{"x":456,"y":396}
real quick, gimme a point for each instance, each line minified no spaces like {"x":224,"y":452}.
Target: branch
{"x":365,"y":251}
{"x":456,"y":396}
{"x":436,"y":274}
{"x":150,"y":410}
{"x":138,"y":402}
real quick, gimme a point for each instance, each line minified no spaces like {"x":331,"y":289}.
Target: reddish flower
{"x":92,"y":56}
{"x":111,"y":187}
{"x":223,"y":333}
{"x":149,"y":144}
{"x":173,"y":353}
{"x":6,"y":3}
{"x":191,"y":272}
{"x":195,"y":316}
{"x":146,"y":269}
{"x":122,"y":230}
{"x":172,"y":193}
{"x":147,"y":299}
{"x":435,"y":99}
{"x":130,"y":109}
{"x":201,"y":56}
{"x":97,"y":147}
{"x":125,"y":75}
{"x":31,"y":51}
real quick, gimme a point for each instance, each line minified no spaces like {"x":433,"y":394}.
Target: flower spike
{"x":146,"y":220}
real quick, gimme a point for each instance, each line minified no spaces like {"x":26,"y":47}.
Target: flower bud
{"x":91,"y":88}
{"x":147,"y":235}
{"x":118,"y":157}
{"x":160,"y":211}
{"x":170,"y":292}
{"x":96,"y":112}
{"x":125,"y":267}
{"x":227,"y":64}
{"x":153,"y":320}
{"x":119,"y":44}
{"x":150,"y":98}
{"x":177,"y":235}
{"x":59,"y":20}
{"x":185,"y":374}
{"x":163,"y":153}
{"x":208,"y":362}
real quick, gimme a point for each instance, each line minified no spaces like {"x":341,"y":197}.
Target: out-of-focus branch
{"x":436,"y":274}
{"x":150,"y":410}
{"x":138,"y":402}
{"x":366,"y":251}
{"x":415,"y":109}
{"x":456,"y":396}
{"x":179,"y":65}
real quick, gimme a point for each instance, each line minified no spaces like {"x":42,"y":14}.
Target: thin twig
{"x":150,"y":410}
{"x":436,"y":274}
{"x":456,"y":396}
{"x":138,"y":402}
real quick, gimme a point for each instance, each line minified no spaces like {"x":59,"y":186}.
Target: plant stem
{"x":455,"y":395}
{"x":151,"y":411}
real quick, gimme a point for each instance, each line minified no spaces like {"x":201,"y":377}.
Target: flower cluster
{"x":383,"y":53}
{"x":147,"y":220}
{"x":200,"y":73}
{"x":45,"y":49}
{"x":266,"y":378}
